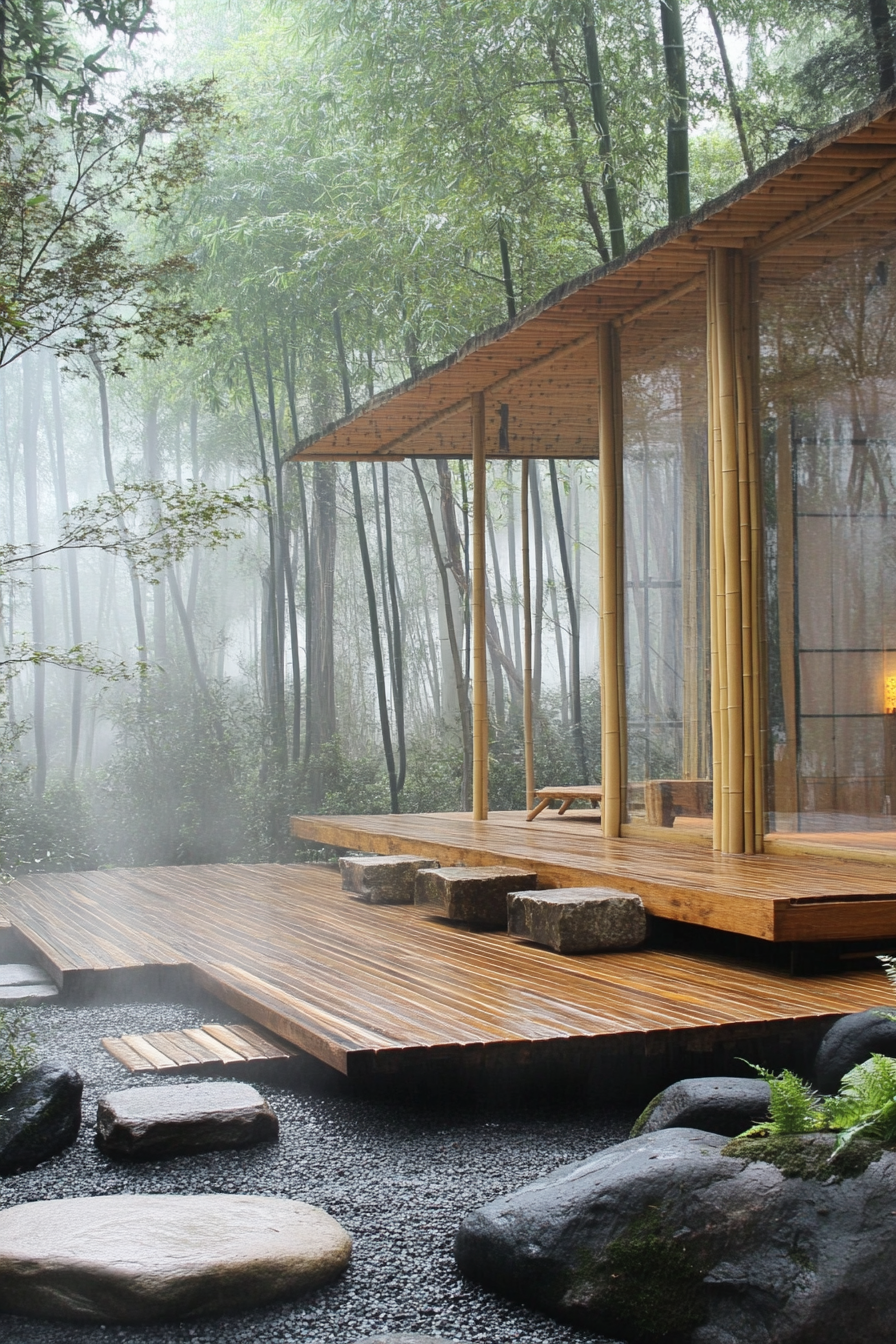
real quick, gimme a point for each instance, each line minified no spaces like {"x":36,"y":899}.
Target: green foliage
{"x":809,"y":1157}
{"x":865,"y":1106}
{"x":794,"y":1106}
{"x":18,"y":1051}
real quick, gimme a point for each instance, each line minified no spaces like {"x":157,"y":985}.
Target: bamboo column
{"x":735,"y":574}
{"x":528,"y":742}
{"x":612,"y":648}
{"x":480,"y":674}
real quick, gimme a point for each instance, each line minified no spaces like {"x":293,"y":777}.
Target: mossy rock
{"x":808,"y":1156}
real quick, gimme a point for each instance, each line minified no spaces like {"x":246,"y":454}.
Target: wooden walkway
{"x":370,"y":988}
{"x":781,"y":897}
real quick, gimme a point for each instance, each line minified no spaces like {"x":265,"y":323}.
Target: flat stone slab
{"x":21,"y":983}
{"x":128,"y":1259}
{"x":470,"y":895}
{"x":177,"y":1118}
{"x":383,"y":879}
{"x":578,"y":919}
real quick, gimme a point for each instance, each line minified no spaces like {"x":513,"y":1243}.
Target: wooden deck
{"x":372,"y":989}
{"x":787,"y":896}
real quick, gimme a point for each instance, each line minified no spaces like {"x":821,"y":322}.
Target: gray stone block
{"x":470,"y":895}
{"x":24,"y":984}
{"x":128,"y":1259}
{"x":578,"y":919}
{"x":383,"y":879}
{"x":39,"y":1117}
{"x":720,"y":1105}
{"x":177,"y":1118}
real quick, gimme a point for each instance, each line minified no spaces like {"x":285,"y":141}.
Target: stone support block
{"x":383,"y":879}
{"x":578,"y":919}
{"x":470,"y":895}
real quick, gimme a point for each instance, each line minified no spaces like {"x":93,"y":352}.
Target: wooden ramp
{"x":781,"y":897}
{"x":210,"y":1048}
{"x":377,"y":989}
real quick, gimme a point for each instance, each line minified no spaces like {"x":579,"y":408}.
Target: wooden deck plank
{"x":346,"y":981}
{"x":758,"y":895}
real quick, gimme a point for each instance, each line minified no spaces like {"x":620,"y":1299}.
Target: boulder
{"x":852,"y":1040}
{"x":721,"y":1105}
{"x":177,"y":1118}
{"x":578,"y":919}
{"x":670,"y":1237}
{"x":383,"y":879}
{"x":128,"y":1259}
{"x":470,"y":895}
{"x":24,"y":984}
{"x":39,"y":1117}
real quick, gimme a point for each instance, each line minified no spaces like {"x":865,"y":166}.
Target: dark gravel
{"x":397,"y":1178}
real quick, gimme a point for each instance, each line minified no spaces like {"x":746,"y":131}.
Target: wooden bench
{"x":566,"y":794}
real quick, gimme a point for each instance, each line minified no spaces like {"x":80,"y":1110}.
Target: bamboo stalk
{"x":528,"y":740}
{"x":609,"y":547}
{"x":742,"y":401}
{"x":750,"y":325}
{"x":717,"y":577}
{"x":733,"y":647}
{"x":480,"y":673}
{"x":620,"y":573}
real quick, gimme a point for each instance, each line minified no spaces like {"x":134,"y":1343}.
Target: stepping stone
{"x":178,"y":1118}
{"x":39,"y":1117}
{"x":720,"y":1105}
{"x":21,"y":983}
{"x":383,"y":879}
{"x":470,"y":895}
{"x":578,"y":919}
{"x":129,"y":1259}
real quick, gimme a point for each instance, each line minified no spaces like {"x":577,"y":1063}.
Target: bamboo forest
{"x":224,"y":225}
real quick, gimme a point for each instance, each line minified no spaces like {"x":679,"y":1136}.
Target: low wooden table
{"x":566,"y":794}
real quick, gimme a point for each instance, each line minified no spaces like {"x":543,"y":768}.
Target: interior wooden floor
{"x":787,"y":896}
{"x":367,"y":988}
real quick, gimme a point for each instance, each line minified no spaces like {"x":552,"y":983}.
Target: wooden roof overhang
{"x":538,"y":373}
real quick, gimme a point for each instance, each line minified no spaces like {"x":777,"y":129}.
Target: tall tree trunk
{"x":575,"y":683}
{"x":273,"y":659}
{"x":32,"y":392}
{"x":74,"y":581}
{"x":369,"y":584}
{"x":463,"y":699}
{"x":397,"y":645}
{"x":154,"y":472}
{"x":538,"y":549}
{"x":882,"y":29}
{"x":737,"y":115}
{"x":602,"y":126}
{"x":571,"y":121}
{"x":290,"y":383}
{"x":320,"y":676}
{"x":506,"y":271}
{"x":193,"y":590}
{"x":678,"y":174}
{"x":286,"y":571}
{"x":106,"y":423}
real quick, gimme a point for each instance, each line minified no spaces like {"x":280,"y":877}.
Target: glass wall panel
{"x":667,"y":567}
{"x":828,"y":407}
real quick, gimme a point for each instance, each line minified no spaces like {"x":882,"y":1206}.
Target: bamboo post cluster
{"x":735,"y":558}
{"x":480,"y":674}
{"x":612,"y":578}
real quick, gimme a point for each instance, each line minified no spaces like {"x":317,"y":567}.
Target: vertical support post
{"x":528,"y":740}
{"x":612,"y":652}
{"x":738,"y":801}
{"x":480,"y":674}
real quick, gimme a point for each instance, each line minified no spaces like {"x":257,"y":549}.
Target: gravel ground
{"x":398,"y":1179}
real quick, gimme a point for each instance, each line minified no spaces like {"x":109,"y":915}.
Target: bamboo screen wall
{"x":666,"y":503}
{"x":828,"y":407}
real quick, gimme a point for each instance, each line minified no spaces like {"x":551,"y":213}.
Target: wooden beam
{"x":612,"y":689}
{"x":827,"y":211}
{"x":528,"y":738}
{"x":480,"y":675}
{"x":661,"y":300}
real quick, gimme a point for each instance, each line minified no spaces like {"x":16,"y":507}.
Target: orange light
{"x":890,"y":695}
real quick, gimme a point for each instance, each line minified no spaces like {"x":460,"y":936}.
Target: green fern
{"x":794,"y":1107}
{"x":17,"y":1048}
{"x":865,"y":1104}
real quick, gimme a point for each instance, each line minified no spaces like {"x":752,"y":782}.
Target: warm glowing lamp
{"x":890,"y":695}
